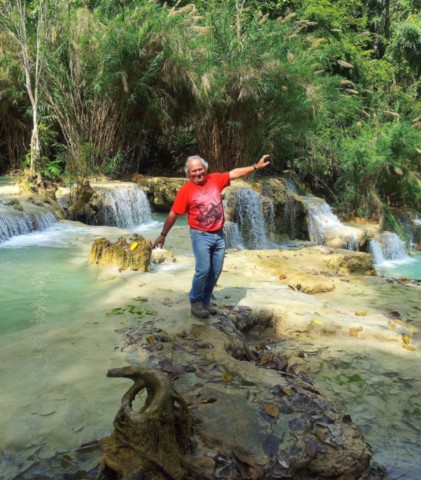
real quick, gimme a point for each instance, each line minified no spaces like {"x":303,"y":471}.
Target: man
{"x":201,"y":199}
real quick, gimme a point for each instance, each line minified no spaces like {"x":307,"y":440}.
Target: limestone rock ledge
{"x":161,"y":191}
{"x":253,"y":415}
{"x":135,"y":255}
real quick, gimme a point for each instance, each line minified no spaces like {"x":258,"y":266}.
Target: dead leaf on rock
{"x":405,"y":339}
{"x":205,"y":401}
{"x":282,"y":276}
{"x":271,"y":409}
{"x":268,"y":359}
{"x":353,"y":332}
{"x":226,"y":377}
{"x":361,"y":313}
{"x":408,"y":347}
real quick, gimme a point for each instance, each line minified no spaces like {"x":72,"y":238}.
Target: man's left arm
{"x":243,"y":171}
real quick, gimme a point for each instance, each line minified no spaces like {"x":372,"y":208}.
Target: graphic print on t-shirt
{"x":208,"y":208}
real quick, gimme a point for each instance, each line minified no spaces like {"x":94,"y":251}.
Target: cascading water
{"x":249,"y":216}
{"x":124,"y":206}
{"x":14,"y":222}
{"x":323,"y":224}
{"x":388,"y":247}
{"x":233,"y":238}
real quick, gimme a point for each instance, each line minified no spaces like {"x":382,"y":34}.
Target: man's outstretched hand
{"x":159,"y":242}
{"x":262,"y":163}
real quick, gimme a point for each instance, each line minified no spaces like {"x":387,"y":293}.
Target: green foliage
{"x":329,"y":88}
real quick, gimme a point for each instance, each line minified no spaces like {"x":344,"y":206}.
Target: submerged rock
{"x":135,"y":255}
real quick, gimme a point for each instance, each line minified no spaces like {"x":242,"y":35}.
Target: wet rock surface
{"x":254,"y":416}
{"x":132,"y":255}
{"x":161,"y":191}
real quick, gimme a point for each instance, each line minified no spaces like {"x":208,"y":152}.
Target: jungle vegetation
{"x":331,"y":88}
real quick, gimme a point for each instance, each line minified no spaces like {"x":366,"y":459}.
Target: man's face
{"x":197,"y":172}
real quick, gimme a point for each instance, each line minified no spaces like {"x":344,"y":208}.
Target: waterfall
{"x":233,"y":238}
{"x":388,"y":247}
{"x":323,"y":224}
{"x":14,"y":223}
{"x":249,"y":216}
{"x":124,"y":206}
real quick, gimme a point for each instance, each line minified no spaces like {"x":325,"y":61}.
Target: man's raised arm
{"x":243,"y":171}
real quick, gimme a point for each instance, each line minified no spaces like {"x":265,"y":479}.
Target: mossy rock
{"x":134,"y":255}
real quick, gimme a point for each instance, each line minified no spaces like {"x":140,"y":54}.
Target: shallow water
{"x":56,"y":343}
{"x":410,"y":268}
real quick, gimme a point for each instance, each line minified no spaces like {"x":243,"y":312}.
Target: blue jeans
{"x":208,"y":249}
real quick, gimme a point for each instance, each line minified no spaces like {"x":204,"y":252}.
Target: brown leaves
{"x":273,"y":361}
{"x":270,"y":409}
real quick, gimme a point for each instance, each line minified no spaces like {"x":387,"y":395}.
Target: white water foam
{"x":14,"y":223}
{"x":125,"y":206}
{"x":388,"y":250}
{"x":323,"y":223}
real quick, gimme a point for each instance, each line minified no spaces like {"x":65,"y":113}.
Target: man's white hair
{"x":190,"y":159}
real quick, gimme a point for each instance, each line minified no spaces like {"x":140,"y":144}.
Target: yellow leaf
{"x":133,"y":246}
{"x":317,"y":322}
{"x":288,"y":391}
{"x":361,"y":313}
{"x":408,"y":347}
{"x":226,"y":377}
{"x":405,"y":339}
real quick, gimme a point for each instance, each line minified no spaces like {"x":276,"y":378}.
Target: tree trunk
{"x":35,"y":143}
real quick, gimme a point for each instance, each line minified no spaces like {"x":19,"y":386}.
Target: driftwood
{"x":148,"y":444}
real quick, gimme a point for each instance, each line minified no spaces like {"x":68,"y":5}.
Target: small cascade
{"x":324,"y":225}
{"x":249,"y":215}
{"x":124,"y":206}
{"x":14,"y":223}
{"x":233,"y":238}
{"x":388,"y":247}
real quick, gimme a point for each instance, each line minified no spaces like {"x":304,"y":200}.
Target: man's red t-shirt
{"x":203,"y":203}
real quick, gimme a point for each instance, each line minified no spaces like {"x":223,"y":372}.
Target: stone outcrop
{"x":83,"y":204}
{"x":290,"y":210}
{"x":161,"y":191}
{"x":133,"y":255}
{"x":161,"y":256}
{"x":254,"y":414}
{"x":149,"y":443}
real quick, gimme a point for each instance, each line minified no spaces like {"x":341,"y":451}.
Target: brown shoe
{"x":211,"y":309}
{"x":198,"y":309}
